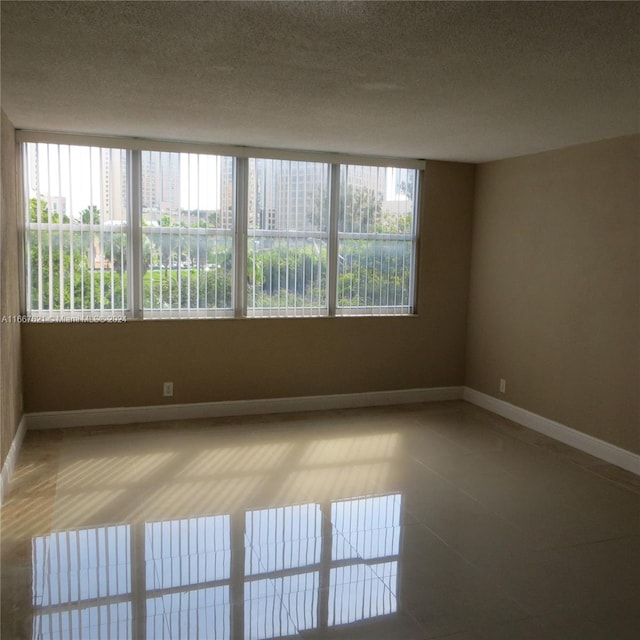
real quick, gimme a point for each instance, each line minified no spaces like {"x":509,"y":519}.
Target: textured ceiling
{"x":458,"y":81}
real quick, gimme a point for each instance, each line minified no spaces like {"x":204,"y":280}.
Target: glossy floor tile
{"x":423,"y":521}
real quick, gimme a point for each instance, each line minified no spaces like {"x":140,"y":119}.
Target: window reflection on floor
{"x":187,"y":552}
{"x":265,"y":573}
{"x":357,"y":593}
{"x":283,"y":538}
{"x":193,"y":613}
{"x":184,"y":553}
{"x":281,"y":607}
{"x":367,"y":529}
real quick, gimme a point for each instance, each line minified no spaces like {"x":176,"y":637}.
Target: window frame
{"x":374,"y":310}
{"x":239,"y":231}
{"x":70,"y":227}
{"x":289,"y":234}
{"x":180,"y":312}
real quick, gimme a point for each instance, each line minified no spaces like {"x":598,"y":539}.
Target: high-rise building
{"x":160,"y":181}
{"x":285,"y":193}
{"x":226,"y":193}
{"x":57,"y":205}
{"x":113,"y":205}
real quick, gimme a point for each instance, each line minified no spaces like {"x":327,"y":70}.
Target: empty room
{"x":320,"y":320}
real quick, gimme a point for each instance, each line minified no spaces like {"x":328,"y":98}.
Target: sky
{"x":75,"y":173}
{"x":52,"y":166}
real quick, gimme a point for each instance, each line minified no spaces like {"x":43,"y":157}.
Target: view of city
{"x":79,"y":234}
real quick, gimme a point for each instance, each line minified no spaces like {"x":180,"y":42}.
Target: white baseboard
{"x":596,"y":447}
{"x":12,"y":456}
{"x":127,"y":415}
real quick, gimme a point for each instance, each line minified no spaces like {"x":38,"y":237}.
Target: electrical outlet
{"x":503,"y":385}
{"x":167,"y":389}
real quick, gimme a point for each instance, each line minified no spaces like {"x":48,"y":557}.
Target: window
{"x":287,"y":238}
{"x":376,"y":240}
{"x":77,"y":229}
{"x":167,"y":230}
{"x":187,"y":234}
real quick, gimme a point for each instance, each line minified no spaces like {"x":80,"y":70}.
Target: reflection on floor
{"x":424,"y":521}
{"x":83,"y":578}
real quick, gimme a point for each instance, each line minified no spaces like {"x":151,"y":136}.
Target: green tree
{"x":169,"y":289}
{"x":360,"y":210}
{"x":115,"y":249}
{"x":90,"y":215}
{"x":284,"y":275}
{"x":39,"y":212}
{"x":374,"y":272}
{"x":406,"y":187}
{"x":63,"y":274}
{"x":394,"y":223}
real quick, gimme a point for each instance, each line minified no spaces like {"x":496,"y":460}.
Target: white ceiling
{"x":457,"y":81}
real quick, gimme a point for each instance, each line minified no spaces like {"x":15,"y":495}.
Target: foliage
{"x":80,"y":268}
{"x":63,"y":261}
{"x":283,"y":268}
{"x":90,"y":215}
{"x":392,"y":223}
{"x":187,"y":288}
{"x":39,"y":212}
{"x":115,"y":249}
{"x":67,"y":279}
{"x":374,"y":273}
{"x":359,"y":211}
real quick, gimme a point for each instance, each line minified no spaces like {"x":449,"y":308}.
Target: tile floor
{"x":435,"y":520}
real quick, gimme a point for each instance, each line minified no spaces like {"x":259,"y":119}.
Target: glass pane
{"x":373,"y":274}
{"x":187,"y":274}
{"x":376,"y":200}
{"x":288,"y":221}
{"x":77,"y":228}
{"x":376,"y":240}
{"x":187,"y":233}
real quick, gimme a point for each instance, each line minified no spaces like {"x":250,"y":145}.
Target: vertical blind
{"x":77,"y":229}
{"x":287,"y":238}
{"x":173,"y":234}
{"x":376,"y":240}
{"x":187,"y":234}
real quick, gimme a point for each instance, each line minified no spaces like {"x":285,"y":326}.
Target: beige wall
{"x":10,"y":374}
{"x":555,"y":286}
{"x":90,"y":366}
